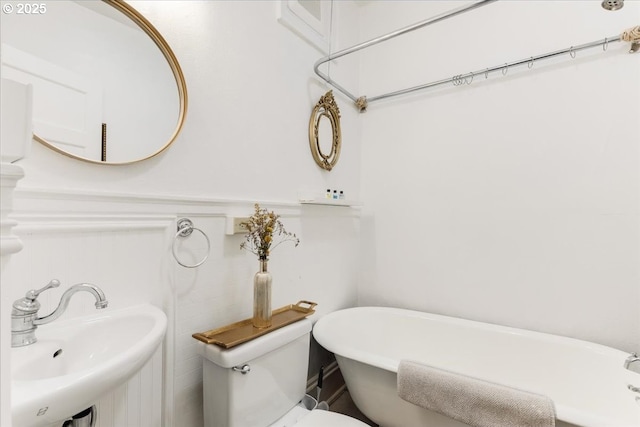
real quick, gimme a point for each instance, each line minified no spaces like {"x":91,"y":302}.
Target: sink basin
{"x":76,"y":361}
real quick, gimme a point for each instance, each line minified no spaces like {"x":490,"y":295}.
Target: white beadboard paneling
{"x":126,"y":257}
{"x":126,"y":263}
{"x":105,"y":411}
{"x":323,"y":268}
{"x":156,"y":404}
{"x":146,"y":396}
{"x":136,"y":403}
{"x":129,"y":256}
{"x":134,"y":411}
{"x":120,"y":409}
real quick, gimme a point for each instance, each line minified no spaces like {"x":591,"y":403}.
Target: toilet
{"x":262,"y":382}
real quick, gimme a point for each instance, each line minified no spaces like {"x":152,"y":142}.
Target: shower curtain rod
{"x":457,"y":80}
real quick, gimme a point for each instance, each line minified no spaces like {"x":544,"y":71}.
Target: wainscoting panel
{"x":136,"y":403}
{"x":123,"y":243}
{"x":127,"y":256}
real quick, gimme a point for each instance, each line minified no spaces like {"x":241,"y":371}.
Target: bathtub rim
{"x":564,"y":412}
{"x":392,"y":365}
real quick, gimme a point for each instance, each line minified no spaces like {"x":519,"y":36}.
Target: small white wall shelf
{"x":331,"y":202}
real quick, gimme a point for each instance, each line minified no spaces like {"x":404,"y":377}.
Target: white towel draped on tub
{"x":472,"y":401}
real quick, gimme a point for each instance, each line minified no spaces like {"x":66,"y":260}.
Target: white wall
{"x":251,"y":91}
{"x":513,"y":200}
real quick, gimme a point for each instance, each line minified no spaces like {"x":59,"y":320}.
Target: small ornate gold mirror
{"x":325,"y":115}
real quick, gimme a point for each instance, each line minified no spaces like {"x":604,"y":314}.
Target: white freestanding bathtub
{"x":587,"y":382}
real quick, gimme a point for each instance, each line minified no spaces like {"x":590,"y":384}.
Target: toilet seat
{"x":320,"y":418}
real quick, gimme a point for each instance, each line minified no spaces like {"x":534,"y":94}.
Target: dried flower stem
{"x":262,"y":226}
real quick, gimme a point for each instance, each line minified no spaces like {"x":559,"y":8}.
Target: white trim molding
{"x":310,"y":19}
{"x":31,"y":202}
{"x":10,"y":174}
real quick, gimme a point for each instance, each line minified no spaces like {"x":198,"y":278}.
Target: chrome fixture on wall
{"x":612,"y":4}
{"x":185,"y":228}
{"x":631,"y":35}
{"x":24,"y":316}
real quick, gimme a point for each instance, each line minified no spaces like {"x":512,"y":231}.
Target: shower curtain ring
{"x":470,"y":81}
{"x":605,"y":45}
{"x":486,"y":73}
{"x":572,"y":52}
{"x":505,"y":69}
{"x":530,"y":63}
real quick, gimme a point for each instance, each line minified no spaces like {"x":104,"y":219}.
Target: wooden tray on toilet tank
{"x":243,"y":331}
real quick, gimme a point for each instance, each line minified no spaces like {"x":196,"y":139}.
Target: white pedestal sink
{"x":76,"y":361}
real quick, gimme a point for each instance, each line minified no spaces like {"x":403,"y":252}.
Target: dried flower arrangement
{"x":265,"y":233}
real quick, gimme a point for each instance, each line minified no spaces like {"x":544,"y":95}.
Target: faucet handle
{"x":29,"y":304}
{"x":34,"y":293}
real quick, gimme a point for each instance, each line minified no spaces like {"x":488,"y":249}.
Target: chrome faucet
{"x":24,"y":316}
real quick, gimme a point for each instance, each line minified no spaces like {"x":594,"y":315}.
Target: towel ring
{"x":185,"y":228}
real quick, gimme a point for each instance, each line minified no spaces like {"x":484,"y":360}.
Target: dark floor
{"x":345,"y":405}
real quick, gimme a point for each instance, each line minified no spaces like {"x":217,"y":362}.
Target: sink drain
{"x":57,"y":353}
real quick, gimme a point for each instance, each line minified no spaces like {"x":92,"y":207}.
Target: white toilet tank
{"x":275,"y":381}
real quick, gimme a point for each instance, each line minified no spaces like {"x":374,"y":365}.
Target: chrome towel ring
{"x":185,"y":228}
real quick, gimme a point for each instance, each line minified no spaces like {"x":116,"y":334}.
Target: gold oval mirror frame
{"x":328,"y":109}
{"x":172,"y":61}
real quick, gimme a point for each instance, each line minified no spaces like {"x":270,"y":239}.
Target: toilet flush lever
{"x":244,"y":369}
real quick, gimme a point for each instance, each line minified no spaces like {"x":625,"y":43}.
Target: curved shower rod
{"x":362,"y":102}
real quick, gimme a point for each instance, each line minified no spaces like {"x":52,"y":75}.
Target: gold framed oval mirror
{"x":107,"y":88}
{"x":325,"y":136}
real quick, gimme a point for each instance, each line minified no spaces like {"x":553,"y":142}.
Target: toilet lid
{"x":320,"y":418}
